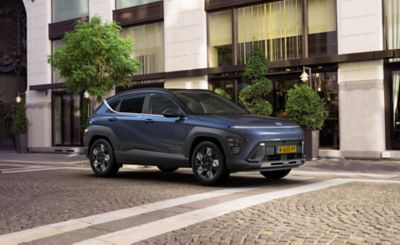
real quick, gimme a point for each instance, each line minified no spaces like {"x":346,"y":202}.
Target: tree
{"x":306,"y":108}
{"x":95,"y":58}
{"x":254,"y":95}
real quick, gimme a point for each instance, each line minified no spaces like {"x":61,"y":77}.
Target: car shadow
{"x":186,"y":177}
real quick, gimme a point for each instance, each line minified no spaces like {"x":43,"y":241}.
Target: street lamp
{"x":306,"y":76}
{"x":86,"y":95}
{"x":18,"y":99}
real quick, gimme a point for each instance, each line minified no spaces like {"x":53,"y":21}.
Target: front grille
{"x":273,"y":158}
{"x":281,"y":157}
{"x":268,"y":151}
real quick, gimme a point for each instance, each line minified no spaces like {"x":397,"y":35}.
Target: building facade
{"x":350,"y":48}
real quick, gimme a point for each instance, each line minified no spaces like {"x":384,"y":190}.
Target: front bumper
{"x":242,"y":165}
{"x":264,"y":156}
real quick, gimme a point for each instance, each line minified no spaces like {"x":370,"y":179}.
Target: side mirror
{"x":172,"y":112}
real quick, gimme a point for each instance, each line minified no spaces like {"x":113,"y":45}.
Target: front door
{"x":167,"y":135}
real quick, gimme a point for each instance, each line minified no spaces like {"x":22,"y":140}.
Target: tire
{"x":102,"y":160}
{"x":208,"y":164}
{"x":167,"y":169}
{"x":277,"y":174}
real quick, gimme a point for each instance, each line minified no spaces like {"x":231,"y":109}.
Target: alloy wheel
{"x":101,"y":157}
{"x":207,"y":163}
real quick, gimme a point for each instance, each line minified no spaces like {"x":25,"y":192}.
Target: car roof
{"x":149,"y":90}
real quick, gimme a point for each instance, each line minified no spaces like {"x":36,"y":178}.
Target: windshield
{"x":199,"y":102}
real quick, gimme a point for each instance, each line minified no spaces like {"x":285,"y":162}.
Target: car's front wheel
{"x":208,"y":163}
{"x":102,"y":159}
{"x":277,"y":174}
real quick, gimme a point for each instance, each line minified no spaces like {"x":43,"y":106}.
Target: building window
{"x":220,"y":38}
{"x":148,"y":46}
{"x":322,"y":34}
{"x":132,"y":3}
{"x":392,"y":24}
{"x":69,"y":9}
{"x":275,"y":26}
{"x":55,"y":76}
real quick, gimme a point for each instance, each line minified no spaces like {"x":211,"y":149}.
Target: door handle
{"x":113,"y":119}
{"x":148,"y":121}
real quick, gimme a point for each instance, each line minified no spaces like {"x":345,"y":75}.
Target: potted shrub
{"x":307,"y":109}
{"x":254,"y":97}
{"x":20,"y":127}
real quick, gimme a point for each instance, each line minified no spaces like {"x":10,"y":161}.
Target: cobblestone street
{"x":145,"y":206}
{"x":356,"y":213}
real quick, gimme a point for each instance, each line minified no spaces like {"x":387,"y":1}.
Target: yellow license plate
{"x":287,"y":149}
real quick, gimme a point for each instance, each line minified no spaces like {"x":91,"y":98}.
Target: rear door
{"x":127,"y":125}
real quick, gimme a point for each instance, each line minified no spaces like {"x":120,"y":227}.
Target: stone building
{"x":350,"y":49}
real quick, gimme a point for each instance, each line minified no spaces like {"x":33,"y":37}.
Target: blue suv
{"x":195,"y":129}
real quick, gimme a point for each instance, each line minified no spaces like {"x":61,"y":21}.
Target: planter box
{"x":21,"y":142}
{"x":311,"y":144}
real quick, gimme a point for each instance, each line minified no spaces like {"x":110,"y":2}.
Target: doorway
{"x":70,"y":113}
{"x":12,"y":65}
{"x":394,"y":119}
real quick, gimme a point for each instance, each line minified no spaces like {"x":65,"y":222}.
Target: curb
{"x":347,"y":174}
{"x":43,"y":162}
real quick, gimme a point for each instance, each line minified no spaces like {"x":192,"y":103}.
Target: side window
{"x":132,"y":103}
{"x":114,"y":104}
{"x":160,"y":103}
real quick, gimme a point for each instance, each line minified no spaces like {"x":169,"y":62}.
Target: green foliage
{"x":306,"y":108}
{"x":20,"y":124}
{"x":223,"y":93}
{"x":260,"y":107}
{"x":257,"y":66}
{"x":254,"y":95}
{"x":95,"y":58}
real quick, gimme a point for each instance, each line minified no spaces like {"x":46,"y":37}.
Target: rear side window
{"x":132,"y":104}
{"x":113,"y":104}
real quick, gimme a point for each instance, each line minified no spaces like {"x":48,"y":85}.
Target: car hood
{"x":248,"y":120}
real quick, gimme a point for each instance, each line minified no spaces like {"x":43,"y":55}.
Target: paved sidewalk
{"x":383,"y":169}
{"x":42,"y":158}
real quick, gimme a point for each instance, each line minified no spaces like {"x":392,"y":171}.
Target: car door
{"x":127,"y":124}
{"x":167,"y":134}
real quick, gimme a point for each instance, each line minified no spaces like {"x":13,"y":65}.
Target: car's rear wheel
{"x":208,"y":163}
{"x":102,"y":159}
{"x":167,"y":169}
{"x":277,"y":174}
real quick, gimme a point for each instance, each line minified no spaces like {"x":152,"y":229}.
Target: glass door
{"x":395,"y":110}
{"x":325,"y":84}
{"x":69,"y":118}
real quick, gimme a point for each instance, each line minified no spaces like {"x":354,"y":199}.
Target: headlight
{"x":235,"y":144}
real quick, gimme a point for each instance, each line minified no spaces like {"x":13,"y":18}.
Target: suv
{"x":196,"y":129}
